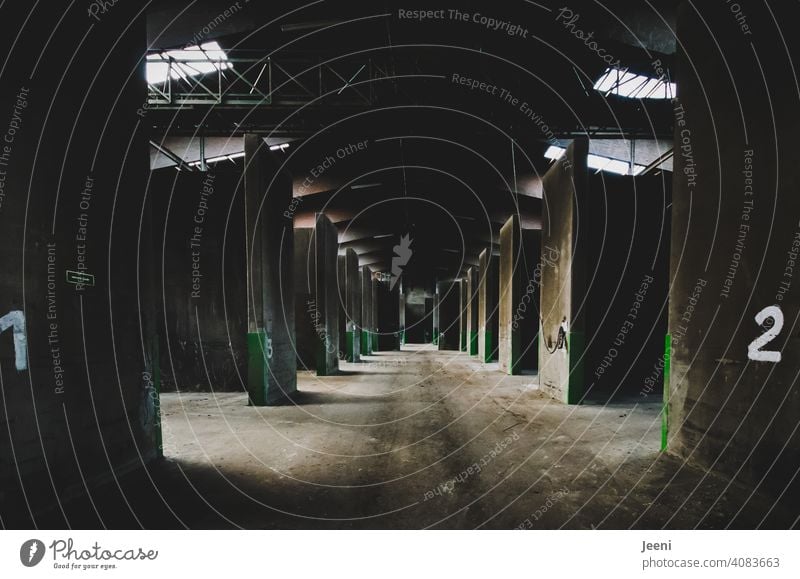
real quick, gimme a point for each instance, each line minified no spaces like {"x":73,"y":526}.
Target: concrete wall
{"x":519,"y":298}
{"x":202,"y":284}
{"x":735,"y":236}
{"x":317,"y":297}
{"x":449,"y":304}
{"x":488,"y":293}
{"x":78,"y":363}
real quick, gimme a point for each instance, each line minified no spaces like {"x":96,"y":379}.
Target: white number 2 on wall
{"x":16,"y":320}
{"x":754,"y":351}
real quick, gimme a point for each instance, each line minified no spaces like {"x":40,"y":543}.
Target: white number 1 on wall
{"x":754,"y":351}
{"x":16,"y":320}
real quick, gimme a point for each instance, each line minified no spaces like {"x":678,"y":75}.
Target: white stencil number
{"x":16,"y":320}
{"x":754,"y":351}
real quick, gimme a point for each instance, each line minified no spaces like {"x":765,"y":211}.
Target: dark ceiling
{"x":441,"y":161}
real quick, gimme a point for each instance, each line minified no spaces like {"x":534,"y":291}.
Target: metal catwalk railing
{"x":244,"y":78}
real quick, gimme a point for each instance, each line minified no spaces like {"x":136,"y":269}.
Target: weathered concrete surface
{"x":78,"y":361}
{"x":448,"y":314}
{"x":271,"y":376}
{"x":379,"y":449}
{"x":519,"y":297}
{"x":366,"y":310}
{"x":435,"y":314}
{"x":563,"y":285}
{"x":374,"y":320}
{"x":402,"y":307}
{"x":604,"y":276}
{"x":473,"y":298}
{"x":203,"y":281}
{"x":489,"y":287}
{"x":528,"y":313}
{"x":317,"y":297}
{"x":349,"y":296}
{"x":735,"y":237}
{"x":462,"y":316}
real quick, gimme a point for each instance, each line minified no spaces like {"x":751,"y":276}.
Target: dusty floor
{"x":421,"y":438}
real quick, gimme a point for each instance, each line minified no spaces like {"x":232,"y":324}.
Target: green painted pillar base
{"x":576,"y":344}
{"x":435,"y":336}
{"x":374,"y":342}
{"x":402,"y":337}
{"x":257,"y":368}
{"x":350,"y":355}
{"x":365,"y":342}
{"x":490,"y":350}
{"x":665,"y":407}
{"x":473,"y":343}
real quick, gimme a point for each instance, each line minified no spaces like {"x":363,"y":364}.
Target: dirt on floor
{"x":421,"y":439}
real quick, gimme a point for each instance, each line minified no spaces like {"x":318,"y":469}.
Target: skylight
{"x":636,"y":86}
{"x":186,"y":63}
{"x":598,"y":162}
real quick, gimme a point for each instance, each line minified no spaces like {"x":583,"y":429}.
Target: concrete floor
{"x":410,"y":439}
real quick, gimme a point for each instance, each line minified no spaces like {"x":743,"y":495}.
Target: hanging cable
{"x":561,"y":340}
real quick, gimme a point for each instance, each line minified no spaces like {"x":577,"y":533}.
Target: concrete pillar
{"x":316,"y":292}
{"x":604,"y":281}
{"x":436,"y":302}
{"x":462,"y":316}
{"x":271,"y":374}
{"x":374,"y":319}
{"x":733,"y":398}
{"x":489,"y":285}
{"x":366,"y":311}
{"x":349,"y":297}
{"x":528,"y":314}
{"x":402,"y":305}
{"x":564,"y":285}
{"x":519,"y":297}
{"x":473,"y":285}
{"x":448,"y":309}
